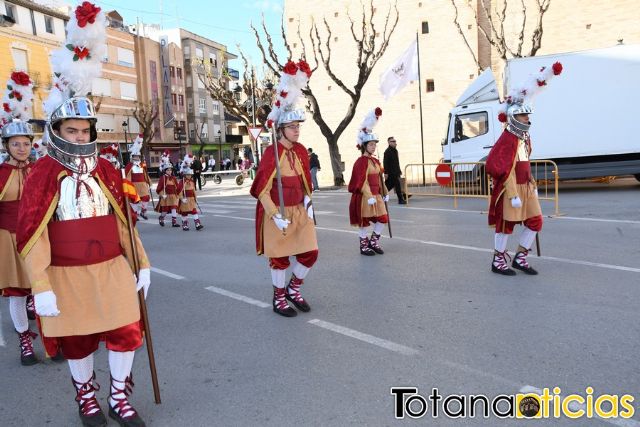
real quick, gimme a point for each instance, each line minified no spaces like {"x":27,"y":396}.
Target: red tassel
{"x":378,"y":112}
{"x":557,"y":68}
{"x":502,"y":117}
{"x":542,"y":83}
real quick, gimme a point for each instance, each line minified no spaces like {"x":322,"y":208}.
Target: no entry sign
{"x":444,"y":175}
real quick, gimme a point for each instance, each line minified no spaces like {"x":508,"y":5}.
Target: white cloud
{"x":265,"y":5}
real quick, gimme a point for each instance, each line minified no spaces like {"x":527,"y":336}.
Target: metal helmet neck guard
{"x":81,"y":158}
{"x":516,"y":127}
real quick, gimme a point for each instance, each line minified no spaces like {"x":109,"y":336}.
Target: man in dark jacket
{"x":197,"y":170}
{"x":392,"y":171}
{"x":314,"y":164}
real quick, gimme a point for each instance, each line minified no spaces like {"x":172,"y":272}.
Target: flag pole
{"x":420,"y":100}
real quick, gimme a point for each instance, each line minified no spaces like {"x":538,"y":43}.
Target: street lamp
{"x":125,"y":127}
{"x":177,"y":134}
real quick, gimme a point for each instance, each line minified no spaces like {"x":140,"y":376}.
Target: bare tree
{"x":260,"y":91}
{"x":370,"y":45}
{"x":491,"y":26}
{"x":146,"y":115}
{"x":200,"y":138}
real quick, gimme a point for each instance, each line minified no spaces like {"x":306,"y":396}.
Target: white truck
{"x":587,"y":119}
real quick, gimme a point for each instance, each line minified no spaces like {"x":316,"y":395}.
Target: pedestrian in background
{"x":392,"y":171}
{"x":314,"y":164}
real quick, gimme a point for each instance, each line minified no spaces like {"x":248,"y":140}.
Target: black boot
{"x":365,"y":248}
{"x":27,"y":357}
{"x":122,"y":411}
{"x":520,"y":262}
{"x":402,"y":199}
{"x":280,"y":304}
{"x":500,"y":264}
{"x":374,"y":243}
{"x":87,"y":406}
{"x":293,"y":294}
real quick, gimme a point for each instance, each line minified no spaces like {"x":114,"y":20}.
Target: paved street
{"x":428,"y":314}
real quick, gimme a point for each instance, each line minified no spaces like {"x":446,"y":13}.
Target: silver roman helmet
{"x":80,"y":158}
{"x":513,"y":125}
{"x":368,"y":137}
{"x":290,"y":116}
{"x":16,"y":128}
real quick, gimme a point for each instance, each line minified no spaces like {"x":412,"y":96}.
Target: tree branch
{"x":464,"y":38}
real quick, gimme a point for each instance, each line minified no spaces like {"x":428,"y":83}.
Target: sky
{"x":225,"y":22}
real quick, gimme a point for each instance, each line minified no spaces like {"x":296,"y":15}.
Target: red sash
{"x":137,"y":177}
{"x":523,"y":172}
{"x":190,"y":193}
{"x":374,"y":183}
{"x":84,"y":241}
{"x":9,"y":215}
{"x":292,"y":191}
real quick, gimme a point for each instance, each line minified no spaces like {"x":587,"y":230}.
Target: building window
{"x":48,"y":24}
{"x":128,"y":91}
{"x":179,"y":72}
{"x":172,"y":72}
{"x":188,"y":82}
{"x":182,"y":125}
{"x":125,"y":57}
{"x":19,"y":59}
{"x":431,"y":87}
{"x":11,"y":11}
{"x":199,"y":53}
{"x":186,"y":51}
{"x":216,"y":108}
{"x":470,"y":126}
{"x":101,"y":87}
{"x":425,"y":27}
{"x":189,"y":107}
{"x":203,"y":106}
{"x":192,"y":131}
{"x":200,"y":81}
{"x":181,"y":100}
{"x":173,"y":99}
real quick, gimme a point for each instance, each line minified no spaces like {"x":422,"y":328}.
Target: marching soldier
{"x":167,"y":189}
{"x":137,"y":174}
{"x":368,"y":192}
{"x":187,"y":190}
{"x":514,"y":194}
{"x":73,"y":234}
{"x":284,"y":215}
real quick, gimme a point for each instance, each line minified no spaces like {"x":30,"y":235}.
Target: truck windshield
{"x":470,"y":125}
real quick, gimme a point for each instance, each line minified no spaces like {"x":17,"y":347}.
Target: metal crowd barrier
{"x":469,"y":180}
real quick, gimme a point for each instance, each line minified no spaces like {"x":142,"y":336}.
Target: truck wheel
{"x":239,"y":179}
{"x":217,"y":179}
{"x":637,"y":176}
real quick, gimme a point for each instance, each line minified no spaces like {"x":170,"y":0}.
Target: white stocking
{"x":300,"y":270}
{"x":277,"y":277}
{"x":174,"y":214}
{"x":527,"y":237}
{"x":363,"y":232}
{"x":18,"y":310}
{"x":378,"y":227}
{"x":501,"y":242}
{"x":120,"y":363}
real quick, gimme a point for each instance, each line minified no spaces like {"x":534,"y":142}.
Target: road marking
{"x":2,"y":342}
{"x":622,"y":221}
{"x":398,"y":348}
{"x":476,"y":249}
{"x":166,"y":273}
{"x":575,"y":406}
{"x":238,"y":297}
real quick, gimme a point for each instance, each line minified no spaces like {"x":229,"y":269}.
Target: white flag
{"x":401,"y":72}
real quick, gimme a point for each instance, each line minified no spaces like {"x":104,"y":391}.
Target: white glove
{"x":516,"y":202}
{"x":46,"y":305}
{"x":385,"y":198}
{"x":281,"y":223}
{"x":371,"y":201}
{"x":164,"y":196}
{"x":144,"y":281}
{"x":308,"y":206}
{"x":184,"y":200}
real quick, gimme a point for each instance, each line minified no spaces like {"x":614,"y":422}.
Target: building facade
{"x":446,"y":63}
{"x":26,"y":44}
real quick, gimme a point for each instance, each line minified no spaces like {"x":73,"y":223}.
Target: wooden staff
{"x":386,"y":206}
{"x":143,"y":305}
{"x":538,"y":243}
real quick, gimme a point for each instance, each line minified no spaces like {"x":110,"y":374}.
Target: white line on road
{"x":166,"y":273}
{"x":398,"y":348}
{"x":238,"y":297}
{"x":575,"y":406}
{"x":476,"y":249}
{"x":2,"y":342}
{"x":623,"y":221}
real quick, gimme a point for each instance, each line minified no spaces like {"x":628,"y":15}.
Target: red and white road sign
{"x":255,"y":133}
{"x":444,"y":175}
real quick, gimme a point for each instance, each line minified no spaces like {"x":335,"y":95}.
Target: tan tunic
{"x":530,"y":204}
{"x":91,"y":298}
{"x":12,"y":267}
{"x":300,"y":235}
{"x":142,"y":188}
{"x":370,"y":211}
{"x":190,"y":204}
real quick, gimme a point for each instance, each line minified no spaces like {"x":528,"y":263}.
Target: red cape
{"x":358,"y":178}
{"x":41,"y":193}
{"x":6,"y":170}
{"x":267,"y":172}
{"x":499,"y":164}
